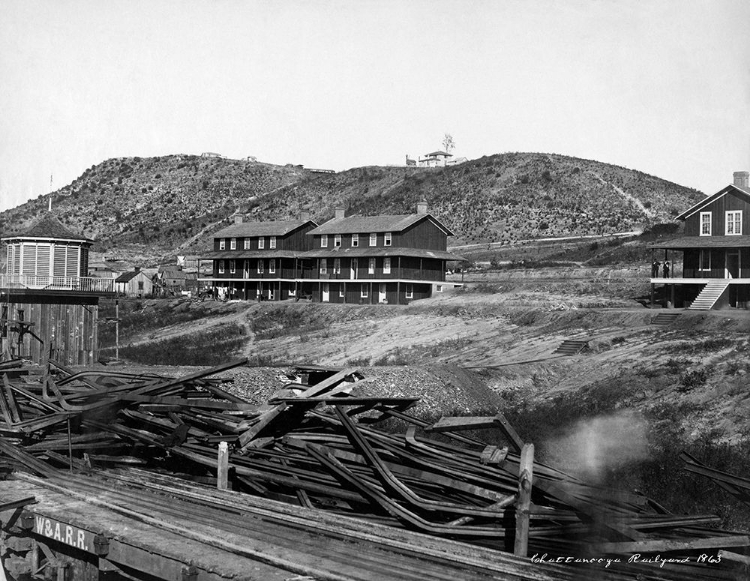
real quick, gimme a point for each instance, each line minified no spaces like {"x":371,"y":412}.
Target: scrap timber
{"x":144,"y":476}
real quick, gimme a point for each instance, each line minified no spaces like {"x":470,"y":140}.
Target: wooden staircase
{"x":571,"y":347}
{"x":664,"y":318}
{"x":711,"y":293}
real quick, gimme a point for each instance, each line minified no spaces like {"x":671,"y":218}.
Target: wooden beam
{"x":222,"y":471}
{"x":499,"y":421}
{"x":525,"y":479}
{"x":663,"y":545}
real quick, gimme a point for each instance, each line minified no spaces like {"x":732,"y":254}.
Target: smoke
{"x":593,"y":447}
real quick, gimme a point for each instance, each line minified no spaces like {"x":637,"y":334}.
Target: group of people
{"x":655,"y":268}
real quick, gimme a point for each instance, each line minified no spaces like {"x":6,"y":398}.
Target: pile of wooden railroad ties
{"x":316,"y":445}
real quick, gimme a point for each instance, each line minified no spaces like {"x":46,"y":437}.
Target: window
{"x":439,"y":288}
{"x":355,"y":240}
{"x":705,"y":223}
{"x":261,"y":243}
{"x":232,"y":267}
{"x":409,"y":291}
{"x":233,"y":244}
{"x":336,"y":266}
{"x":371,"y":267}
{"x":247,"y":243}
{"x":323,"y":266}
{"x":386,"y":265}
{"x":373,"y":239}
{"x":337,"y":240}
{"x":272,"y":266}
{"x":363,"y":294}
{"x":260,"y":267}
{"x":272,"y":243}
{"x":387,"y":240}
{"x":734,"y":222}
{"x":704,"y":260}
{"x":222,"y":244}
{"x":324,"y":241}
{"x":140,"y":285}
{"x":221,"y":267}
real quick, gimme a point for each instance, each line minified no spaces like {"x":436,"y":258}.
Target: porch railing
{"x":63,"y":283}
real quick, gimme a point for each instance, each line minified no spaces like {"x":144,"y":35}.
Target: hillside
{"x":150,"y":209}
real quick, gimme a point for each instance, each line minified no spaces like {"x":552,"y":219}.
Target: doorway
{"x":381,"y":294}
{"x":732,"y":268}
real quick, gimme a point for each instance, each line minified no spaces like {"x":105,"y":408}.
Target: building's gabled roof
{"x":375,"y":224}
{"x":255,"y":229}
{"x":437,"y":153}
{"x":242,"y":254}
{"x":391,"y":251}
{"x":704,"y":242}
{"x":128,"y":276}
{"x":730,"y":189}
{"x":48,"y":226}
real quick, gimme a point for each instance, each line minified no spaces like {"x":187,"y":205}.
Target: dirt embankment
{"x":471,"y":350}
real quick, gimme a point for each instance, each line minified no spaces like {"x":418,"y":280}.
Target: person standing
{"x":654,"y":268}
{"x":666,"y":268}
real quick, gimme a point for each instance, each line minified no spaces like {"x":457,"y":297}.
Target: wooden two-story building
{"x":711,"y":262}
{"x":380,"y":259}
{"x":49,"y":305}
{"x":260,"y":260}
{"x":355,"y":259}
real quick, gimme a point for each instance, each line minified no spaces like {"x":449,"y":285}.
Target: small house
{"x":134,"y":284}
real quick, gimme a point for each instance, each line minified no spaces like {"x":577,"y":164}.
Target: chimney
{"x":304,"y":216}
{"x":422,"y":207}
{"x":340,"y":213}
{"x":741,"y":178}
{"x":238,"y":218}
{"x":137,"y":268}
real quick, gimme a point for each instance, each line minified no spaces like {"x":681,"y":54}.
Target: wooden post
{"x":117,"y":329}
{"x":525,"y":478}
{"x":222,"y":473}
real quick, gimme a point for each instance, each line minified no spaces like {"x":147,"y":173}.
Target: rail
{"x":62,"y":283}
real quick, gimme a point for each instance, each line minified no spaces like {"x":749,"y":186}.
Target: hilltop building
{"x":714,"y":252}
{"x":435,"y":159}
{"x":355,"y":259}
{"x":49,"y":304}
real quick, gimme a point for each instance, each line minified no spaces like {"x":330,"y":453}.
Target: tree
{"x":448,"y":143}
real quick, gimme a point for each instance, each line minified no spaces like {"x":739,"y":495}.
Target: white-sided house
{"x":134,"y":284}
{"x":435,"y":159}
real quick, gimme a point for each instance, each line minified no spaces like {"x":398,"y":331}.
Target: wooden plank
{"x":663,"y":545}
{"x":447,"y":424}
{"x":525,"y":481}
{"x":736,"y":557}
{"x":475,"y":423}
{"x":319,"y":388}
{"x":222,"y":464}
{"x":261,"y":423}
{"x":14,"y":411}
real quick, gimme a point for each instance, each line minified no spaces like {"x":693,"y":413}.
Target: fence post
{"x":525,"y":478}
{"x":222,"y":473}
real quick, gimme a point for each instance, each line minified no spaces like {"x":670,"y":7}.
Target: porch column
{"x":674,"y":285}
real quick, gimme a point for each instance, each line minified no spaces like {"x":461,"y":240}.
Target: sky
{"x":661,"y":86}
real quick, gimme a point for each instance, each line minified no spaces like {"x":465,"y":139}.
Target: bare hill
{"x":152,"y":208}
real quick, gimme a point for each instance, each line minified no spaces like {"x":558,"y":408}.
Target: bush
{"x":693,"y":379}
